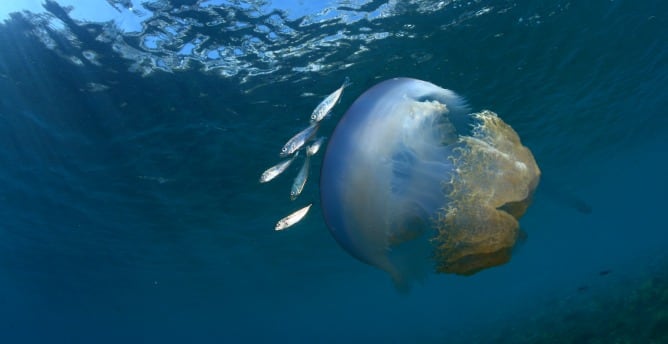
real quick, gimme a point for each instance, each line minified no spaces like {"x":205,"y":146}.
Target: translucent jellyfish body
{"x":412,"y":182}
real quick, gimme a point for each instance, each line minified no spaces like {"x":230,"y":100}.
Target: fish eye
{"x":283,"y":149}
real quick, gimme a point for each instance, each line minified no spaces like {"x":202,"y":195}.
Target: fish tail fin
{"x":347,"y":82}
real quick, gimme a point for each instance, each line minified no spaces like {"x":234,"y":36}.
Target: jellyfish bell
{"x":413,"y":182}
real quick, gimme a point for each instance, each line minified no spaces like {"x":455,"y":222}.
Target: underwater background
{"x":133,"y":134}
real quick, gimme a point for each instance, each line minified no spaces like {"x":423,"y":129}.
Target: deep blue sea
{"x":133,"y":134}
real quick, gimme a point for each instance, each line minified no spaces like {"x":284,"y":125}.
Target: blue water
{"x":131,"y":209}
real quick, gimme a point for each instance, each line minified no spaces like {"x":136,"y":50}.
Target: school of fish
{"x":293,"y":146}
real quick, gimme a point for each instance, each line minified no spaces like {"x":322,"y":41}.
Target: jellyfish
{"x":414,"y":183}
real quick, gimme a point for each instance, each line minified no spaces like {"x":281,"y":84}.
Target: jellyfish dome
{"x":412,"y":182}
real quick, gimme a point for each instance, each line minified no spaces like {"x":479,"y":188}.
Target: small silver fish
{"x":299,"y":140}
{"x":292,"y":218}
{"x":315,"y":146}
{"x":328,"y":103}
{"x":300,"y":180}
{"x":274,"y":171}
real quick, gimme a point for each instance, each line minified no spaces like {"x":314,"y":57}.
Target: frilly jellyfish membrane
{"x":412,"y":182}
